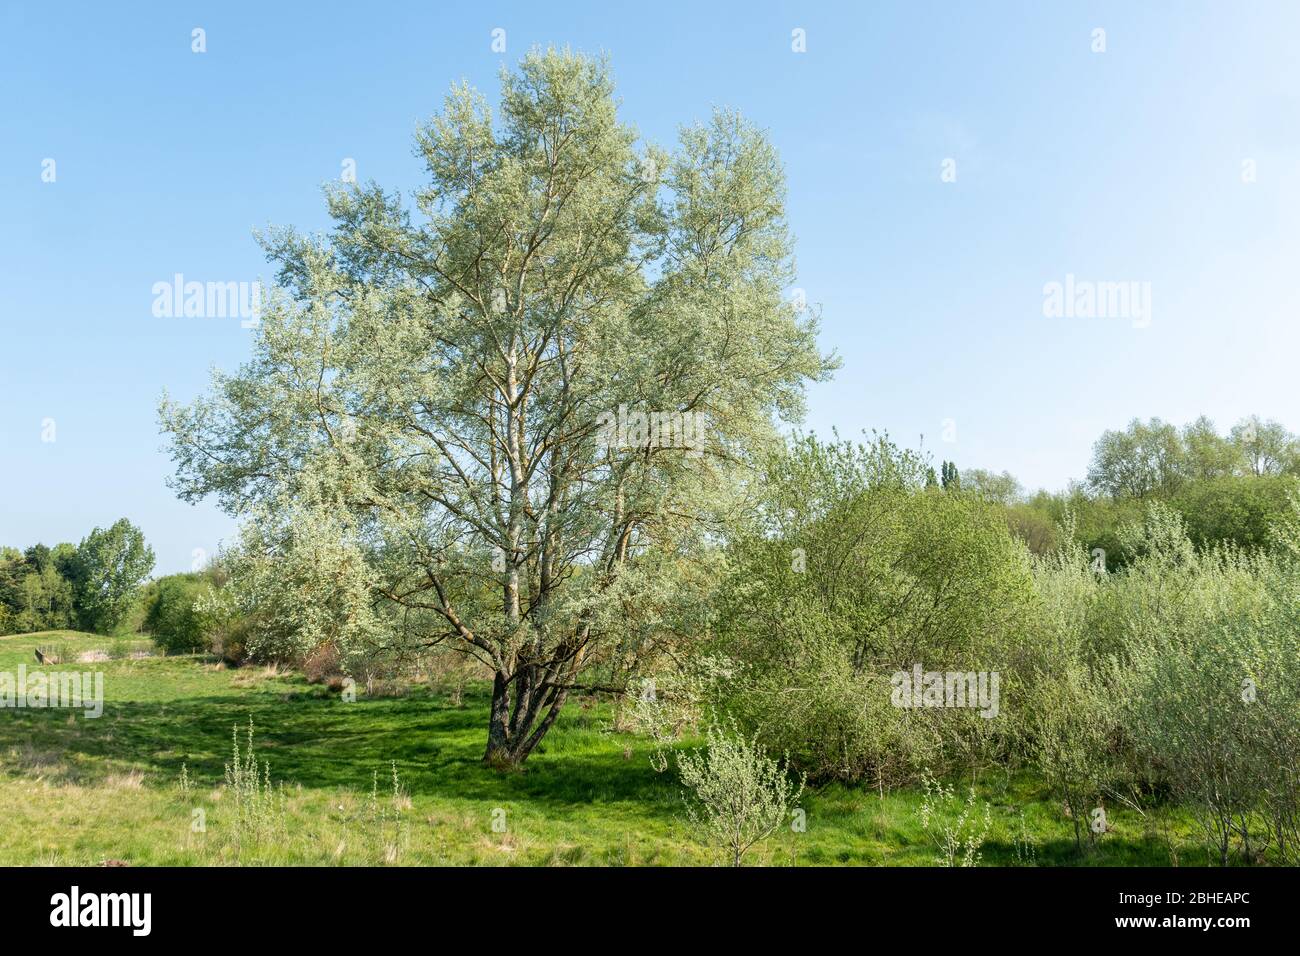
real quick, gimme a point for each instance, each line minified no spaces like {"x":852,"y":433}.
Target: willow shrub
{"x":852,"y":569}
{"x":1205,"y":681}
{"x":173,"y":618}
{"x":1068,"y":725}
{"x":1178,"y":674}
{"x":735,"y":795}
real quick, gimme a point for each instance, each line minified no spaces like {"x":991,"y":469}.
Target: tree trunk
{"x":514,"y":729}
{"x":498,"y":745}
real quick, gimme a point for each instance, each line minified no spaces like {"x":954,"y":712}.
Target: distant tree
{"x":1267,"y":447}
{"x":1209,"y":455}
{"x":48,"y":603}
{"x":1093,"y":521}
{"x":1033,"y":525}
{"x":1002,"y":488}
{"x":1241,"y":509}
{"x":64,"y":557}
{"x":34,"y":596}
{"x":1143,"y":460}
{"x":109,"y":568}
{"x":38,"y":557}
{"x":950,"y":479}
{"x":11,"y":573}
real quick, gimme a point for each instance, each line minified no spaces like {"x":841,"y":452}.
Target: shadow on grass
{"x":319,"y":741}
{"x":174,"y":712}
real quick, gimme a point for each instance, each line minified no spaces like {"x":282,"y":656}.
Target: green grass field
{"x":75,"y":791}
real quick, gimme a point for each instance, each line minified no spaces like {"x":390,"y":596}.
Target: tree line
{"x":1230,"y":487}
{"x":90,"y":586}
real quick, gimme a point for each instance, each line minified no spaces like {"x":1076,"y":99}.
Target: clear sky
{"x":1122,"y":165}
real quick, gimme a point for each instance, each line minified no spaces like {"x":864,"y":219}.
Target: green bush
{"x":1177,"y":675}
{"x":173,"y":618}
{"x":735,"y":795}
{"x":1201,"y":675}
{"x":853,"y":570}
{"x":1238,"y":509}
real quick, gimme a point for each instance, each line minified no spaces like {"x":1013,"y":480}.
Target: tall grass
{"x":260,"y":809}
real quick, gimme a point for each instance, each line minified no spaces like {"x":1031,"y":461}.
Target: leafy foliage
{"x":174,"y":618}
{"x":850,"y":570}
{"x":735,"y":794}
{"x":94,"y":585}
{"x":107,"y":572}
{"x":432,"y":439}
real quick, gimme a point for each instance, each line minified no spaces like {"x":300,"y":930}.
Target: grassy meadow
{"x":124,"y":788}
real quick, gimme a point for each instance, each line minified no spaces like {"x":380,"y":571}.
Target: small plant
{"x":260,"y":809}
{"x":959,"y":842}
{"x":186,"y":785}
{"x":1025,"y":843}
{"x":383,"y":818}
{"x":663,"y":708}
{"x":735,"y":795}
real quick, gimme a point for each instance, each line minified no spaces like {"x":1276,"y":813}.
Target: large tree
{"x":499,"y":420}
{"x":1147,"y":458}
{"x":107,"y":571}
{"x":1267,"y":446}
{"x":1208,"y":455}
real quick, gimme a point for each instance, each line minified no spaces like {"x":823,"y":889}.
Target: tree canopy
{"x":107,"y":571}
{"x":493,"y":419}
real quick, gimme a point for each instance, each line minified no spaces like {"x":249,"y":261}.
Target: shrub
{"x":853,"y":570}
{"x":735,"y":795}
{"x":1031,"y":525}
{"x":956,"y":826}
{"x":173,"y":618}
{"x":1238,"y":509}
{"x":1201,"y":625}
{"x":665,"y":706}
{"x":1275,"y":687}
{"x":837,"y":722}
{"x":321,"y":664}
{"x":1073,"y":733}
{"x":1069,"y":728}
{"x":227,"y":625}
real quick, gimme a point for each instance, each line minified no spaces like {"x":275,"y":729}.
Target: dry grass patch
{"x":131,"y":780}
{"x":252,"y":676}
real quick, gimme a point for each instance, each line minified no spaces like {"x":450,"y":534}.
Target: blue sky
{"x":1125,"y":165}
